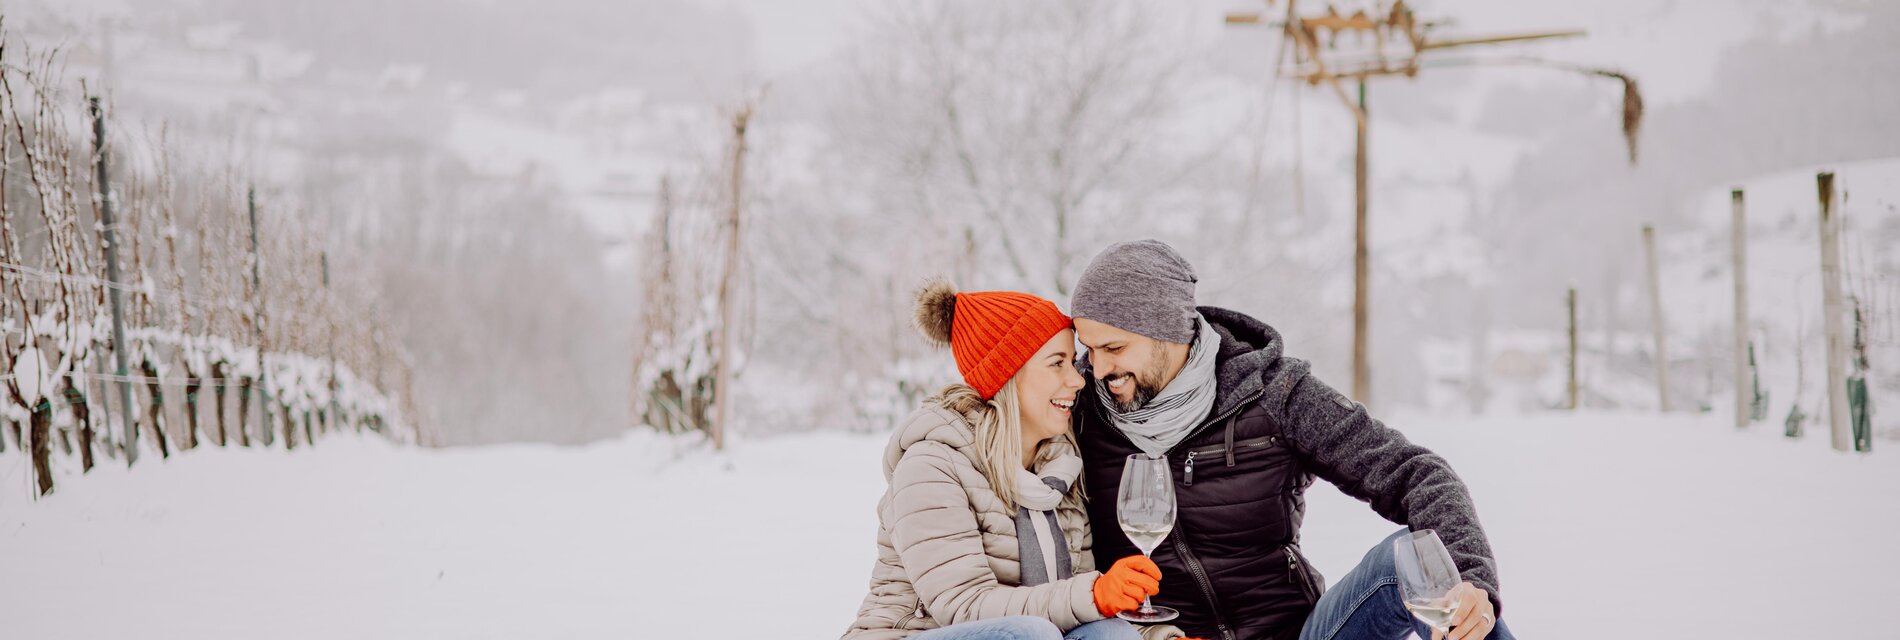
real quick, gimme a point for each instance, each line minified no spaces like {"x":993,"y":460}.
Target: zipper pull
{"x":1187,"y":470}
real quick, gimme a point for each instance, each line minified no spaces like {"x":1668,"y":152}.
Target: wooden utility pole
{"x":1656,"y":319}
{"x":1570,"y":388}
{"x":722,"y":385}
{"x":109,"y":244}
{"x":1840,"y":437}
{"x":1361,"y":269}
{"x":1398,"y":42}
{"x":1744,"y":384}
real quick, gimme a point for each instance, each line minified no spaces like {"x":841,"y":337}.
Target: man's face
{"x":1132,"y":366}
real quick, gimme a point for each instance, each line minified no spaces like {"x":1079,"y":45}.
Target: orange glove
{"x":1125,"y":585}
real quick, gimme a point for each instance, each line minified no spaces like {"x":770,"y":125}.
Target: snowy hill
{"x":1687,"y":527}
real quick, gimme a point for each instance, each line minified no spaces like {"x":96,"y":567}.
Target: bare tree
{"x":1018,"y":126}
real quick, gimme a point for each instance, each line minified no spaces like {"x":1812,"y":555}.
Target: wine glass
{"x":1426,"y":577}
{"x":1145,"y":507}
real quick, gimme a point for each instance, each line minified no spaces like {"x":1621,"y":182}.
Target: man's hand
{"x":1473,"y":619}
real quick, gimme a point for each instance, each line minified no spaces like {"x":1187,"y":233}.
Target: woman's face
{"x":1046,"y":388}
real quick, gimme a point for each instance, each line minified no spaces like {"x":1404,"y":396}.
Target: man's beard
{"x":1147,"y":383}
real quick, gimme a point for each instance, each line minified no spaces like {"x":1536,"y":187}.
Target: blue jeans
{"x":1365,"y":605}
{"x":1031,"y":628}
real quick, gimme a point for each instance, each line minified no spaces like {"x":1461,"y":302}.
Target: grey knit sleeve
{"x":1404,"y":482}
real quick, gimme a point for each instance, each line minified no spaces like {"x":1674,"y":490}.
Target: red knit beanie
{"x":991,"y":333}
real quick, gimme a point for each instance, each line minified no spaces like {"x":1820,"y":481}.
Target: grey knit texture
{"x":1143,"y":287}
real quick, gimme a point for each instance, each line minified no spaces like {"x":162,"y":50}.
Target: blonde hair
{"x":997,"y":424}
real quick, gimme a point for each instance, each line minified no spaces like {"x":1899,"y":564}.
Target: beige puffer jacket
{"x":947,"y":549}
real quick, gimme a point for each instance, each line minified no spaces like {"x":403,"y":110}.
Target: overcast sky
{"x":1674,"y":45}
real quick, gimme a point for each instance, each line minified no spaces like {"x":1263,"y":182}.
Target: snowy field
{"x":1674,"y":527}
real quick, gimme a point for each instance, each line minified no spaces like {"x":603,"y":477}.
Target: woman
{"x":982,"y":533}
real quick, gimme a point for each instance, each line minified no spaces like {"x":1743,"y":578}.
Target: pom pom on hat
{"x":936,"y":310}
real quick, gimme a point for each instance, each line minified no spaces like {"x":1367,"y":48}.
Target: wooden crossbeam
{"x":1520,"y":37}
{"x":1355,"y":22}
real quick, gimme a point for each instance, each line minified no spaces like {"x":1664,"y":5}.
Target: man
{"x":1246,"y":429}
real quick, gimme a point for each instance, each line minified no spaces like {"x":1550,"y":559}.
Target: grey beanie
{"x":1144,"y":287}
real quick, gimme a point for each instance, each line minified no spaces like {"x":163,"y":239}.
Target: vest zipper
{"x":1200,"y":577}
{"x":1187,"y":466}
{"x":1243,"y":445}
{"x":1297,"y":571}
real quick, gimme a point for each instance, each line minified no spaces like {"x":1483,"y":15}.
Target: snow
{"x":1684,"y":526}
{"x":29,"y":368}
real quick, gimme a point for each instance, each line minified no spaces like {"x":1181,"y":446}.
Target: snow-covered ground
{"x":1677,"y":527}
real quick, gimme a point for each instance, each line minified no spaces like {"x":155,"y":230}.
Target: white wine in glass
{"x":1426,"y":577}
{"x":1435,"y":615}
{"x":1145,"y":508}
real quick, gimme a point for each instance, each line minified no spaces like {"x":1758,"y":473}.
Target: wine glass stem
{"x":1147,"y":603}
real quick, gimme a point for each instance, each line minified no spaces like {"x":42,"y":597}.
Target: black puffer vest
{"x":1232,"y":564}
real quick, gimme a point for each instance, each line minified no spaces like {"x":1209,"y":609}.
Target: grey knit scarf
{"x":1167,"y":418}
{"x":1043,"y":550}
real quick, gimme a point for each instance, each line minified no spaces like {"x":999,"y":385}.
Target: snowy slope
{"x":1696,"y":530}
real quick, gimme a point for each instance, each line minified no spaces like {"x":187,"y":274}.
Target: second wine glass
{"x":1426,"y":577}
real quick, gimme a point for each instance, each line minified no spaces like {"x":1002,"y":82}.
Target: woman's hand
{"x":1126,"y":584}
{"x":1474,"y":618}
